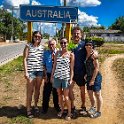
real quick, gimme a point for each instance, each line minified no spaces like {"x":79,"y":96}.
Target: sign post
{"x":35,"y":13}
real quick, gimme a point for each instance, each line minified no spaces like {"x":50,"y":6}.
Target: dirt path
{"x":110,"y":93}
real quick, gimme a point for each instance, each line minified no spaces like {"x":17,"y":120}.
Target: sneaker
{"x":92,"y":110}
{"x":83,"y":111}
{"x":68,"y":118}
{"x":74,"y":113}
{"x":36,"y":111}
{"x":29,"y":114}
{"x":96,"y":115}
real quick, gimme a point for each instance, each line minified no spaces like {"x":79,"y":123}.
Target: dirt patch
{"x":13,"y":94}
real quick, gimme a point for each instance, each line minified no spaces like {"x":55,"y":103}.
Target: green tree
{"x":6,"y":26}
{"x":118,"y":24}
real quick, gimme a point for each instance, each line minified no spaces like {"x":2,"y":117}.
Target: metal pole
{"x":12,"y":26}
{"x":63,"y":24}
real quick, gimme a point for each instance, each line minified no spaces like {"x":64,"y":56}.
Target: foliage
{"x":98,"y":41}
{"x":118,"y":24}
{"x":7,"y":22}
{"x":20,"y":120}
{"x":12,"y":66}
{"x":71,"y":45}
{"x":46,"y":36}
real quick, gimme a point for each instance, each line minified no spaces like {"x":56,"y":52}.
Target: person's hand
{"x":91,"y":83}
{"x":51,"y":79}
{"x":85,"y":77}
{"x":26,"y":75}
{"x":70,"y":81}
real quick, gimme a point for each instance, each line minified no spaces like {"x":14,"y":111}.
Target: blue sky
{"x":91,"y":12}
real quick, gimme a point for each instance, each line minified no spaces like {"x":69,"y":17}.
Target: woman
{"x":62,"y":73}
{"x":93,"y":80}
{"x":33,"y":70}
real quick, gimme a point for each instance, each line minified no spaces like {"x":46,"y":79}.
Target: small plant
{"x":71,"y":46}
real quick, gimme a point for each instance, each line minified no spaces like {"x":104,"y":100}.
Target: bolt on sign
{"x":37,"y":13}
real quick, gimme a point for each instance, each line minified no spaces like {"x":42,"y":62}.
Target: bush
{"x":98,"y":41}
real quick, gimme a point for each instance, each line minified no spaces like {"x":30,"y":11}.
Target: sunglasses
{"x":51,"y":44}
{"x":62,"y":42}
{"x":88,"y":45}
{"x":36,"y":36}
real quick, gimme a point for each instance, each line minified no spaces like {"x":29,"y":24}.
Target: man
{"x":48,"y":63}
{"x":79,"y":68}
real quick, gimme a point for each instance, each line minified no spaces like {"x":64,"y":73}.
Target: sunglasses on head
{"x":62,"y":42}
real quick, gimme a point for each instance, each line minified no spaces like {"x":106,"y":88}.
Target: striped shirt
{"x":62,"y":70}
{"x":35,"y":58}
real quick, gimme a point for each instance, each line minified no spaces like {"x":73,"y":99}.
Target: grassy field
{"x":14,"y":69}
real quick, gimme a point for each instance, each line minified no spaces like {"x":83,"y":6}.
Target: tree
{"x":6,"y":26}
{"x":118,"y":24}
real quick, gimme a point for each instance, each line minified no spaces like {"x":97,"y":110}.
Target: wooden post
{"x":29,"y":37}
{"x":68,"y":31}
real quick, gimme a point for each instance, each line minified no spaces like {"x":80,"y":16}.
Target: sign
{"x":48,"y":13}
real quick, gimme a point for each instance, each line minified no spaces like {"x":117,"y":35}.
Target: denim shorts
{"x":97,"y":83}
{"x":60,"y":83}
{"x":34,"y":74}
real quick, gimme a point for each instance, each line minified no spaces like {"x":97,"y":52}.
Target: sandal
{"x":96,"y":115}
{"x":60,"y":114}
{"x":29,"y":114}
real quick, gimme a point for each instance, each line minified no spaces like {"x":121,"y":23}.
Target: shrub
{"x":98,"y":41}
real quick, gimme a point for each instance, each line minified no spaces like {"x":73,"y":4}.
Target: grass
{"x":20,"y":120}
{"x":111,"y":48}
{"x":118,"y":67}
{"x":15,"y":65}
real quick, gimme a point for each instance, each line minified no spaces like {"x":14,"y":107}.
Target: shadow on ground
{"x":11,"y":112}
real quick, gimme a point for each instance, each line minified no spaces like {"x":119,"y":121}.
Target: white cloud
{"x":86,"y":20}
{"x":49,"y":28}
{"x":81,"y":3}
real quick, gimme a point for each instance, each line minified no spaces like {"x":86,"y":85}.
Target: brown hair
{"x":36,"y":32}
{"x":78,"y":28}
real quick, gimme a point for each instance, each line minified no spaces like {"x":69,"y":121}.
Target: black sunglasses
{"x":62,"y":42}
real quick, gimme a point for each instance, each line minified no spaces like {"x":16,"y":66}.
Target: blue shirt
{"x":80,"y":57}
{"x":48,"y":63}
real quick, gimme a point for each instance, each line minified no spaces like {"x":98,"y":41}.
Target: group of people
{"x":61,"y":69}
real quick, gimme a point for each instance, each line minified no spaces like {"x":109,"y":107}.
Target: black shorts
{"x":79,"y":79}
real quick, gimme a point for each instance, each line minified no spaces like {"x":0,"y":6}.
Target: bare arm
{"x":25,"y":55}
{"x":96,"y":66}
{"x":54,"y":66}
{"x":71,"y":66}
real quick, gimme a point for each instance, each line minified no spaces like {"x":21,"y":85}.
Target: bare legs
{"x":33,"y":86}
{"x":64,"y":92}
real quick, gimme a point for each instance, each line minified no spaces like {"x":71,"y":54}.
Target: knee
{"x":67,"y":98}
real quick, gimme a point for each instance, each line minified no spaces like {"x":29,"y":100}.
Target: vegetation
{"x":118,"y":24}
{"x":7,"y":22}
{"x":98,"y":41}
{"x":118,"y":67}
